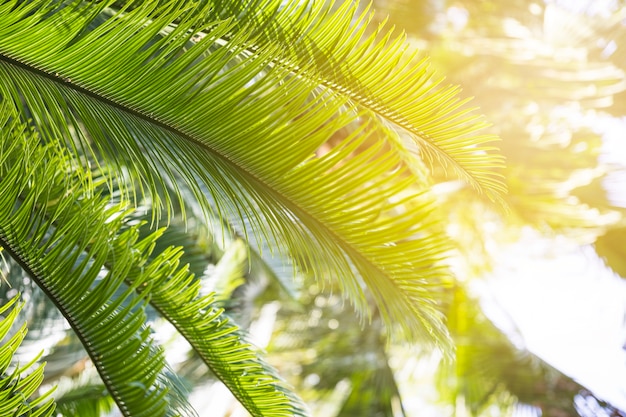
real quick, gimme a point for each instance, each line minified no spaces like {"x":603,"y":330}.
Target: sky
{"x":569,"y":308}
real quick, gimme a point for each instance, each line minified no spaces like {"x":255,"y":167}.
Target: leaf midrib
{"x":346,"y":246}
{"x":26,"y":267}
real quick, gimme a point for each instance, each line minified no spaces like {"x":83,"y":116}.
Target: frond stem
{"x":25,"y":265}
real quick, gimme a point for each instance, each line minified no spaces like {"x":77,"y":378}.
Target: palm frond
{"x":175,"y":293}
{"x":80,"y":252}
{"x":19,"y":384}
{"x":47,"y":224}
{"x":376,"y":71}
{"x":83,"y":398}
{"x":231,"y":124}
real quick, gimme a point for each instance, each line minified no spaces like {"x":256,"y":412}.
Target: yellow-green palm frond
{"x":19,"y":384}
{"x":377,"y":71}
{"x":172,"y":91}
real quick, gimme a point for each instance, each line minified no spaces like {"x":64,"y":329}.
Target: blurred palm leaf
{"x":611,"y":247}
{"x":341,"y":365}
{"x":81,"y":398}
{"x":541,"y":73}
{"x":17,"y":385}
{"x":491,"y":371}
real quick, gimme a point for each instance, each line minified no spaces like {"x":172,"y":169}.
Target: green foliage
{"x":18,"y":385}
{"x":49,"y":228}
{"x":76,"y":237}
{"x":285,"y":124}
{"x":173,"y":98}
{"x":336,"y":355}
{"x":88,"y":400}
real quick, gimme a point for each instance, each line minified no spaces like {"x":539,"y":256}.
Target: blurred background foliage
{"x":550,"y":77}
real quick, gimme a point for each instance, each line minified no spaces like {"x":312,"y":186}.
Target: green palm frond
{"x":175,"y":293}
{"x":19,"y":384}
{"x":80,"y":252}
{"x":377,"y":72}
{"x":47,"y":229}
{"x":239,"y":129}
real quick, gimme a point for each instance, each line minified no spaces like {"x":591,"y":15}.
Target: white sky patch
{"x":569,"y":309}
{"x":614,"y":154}
{"x":614,"y":140}
{"x":601,"y":8}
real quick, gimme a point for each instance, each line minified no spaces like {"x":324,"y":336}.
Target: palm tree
{"x":282,"y":123}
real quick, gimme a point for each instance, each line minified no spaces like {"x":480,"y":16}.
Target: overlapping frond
{"x":47,"y":225}
{"x":83,"y":398}
{"x":17,"y":385}
{"x":81,"y":253}
{"x":199,"y":317}
{"x":234,"y":126}
{"x":176,"y":295}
